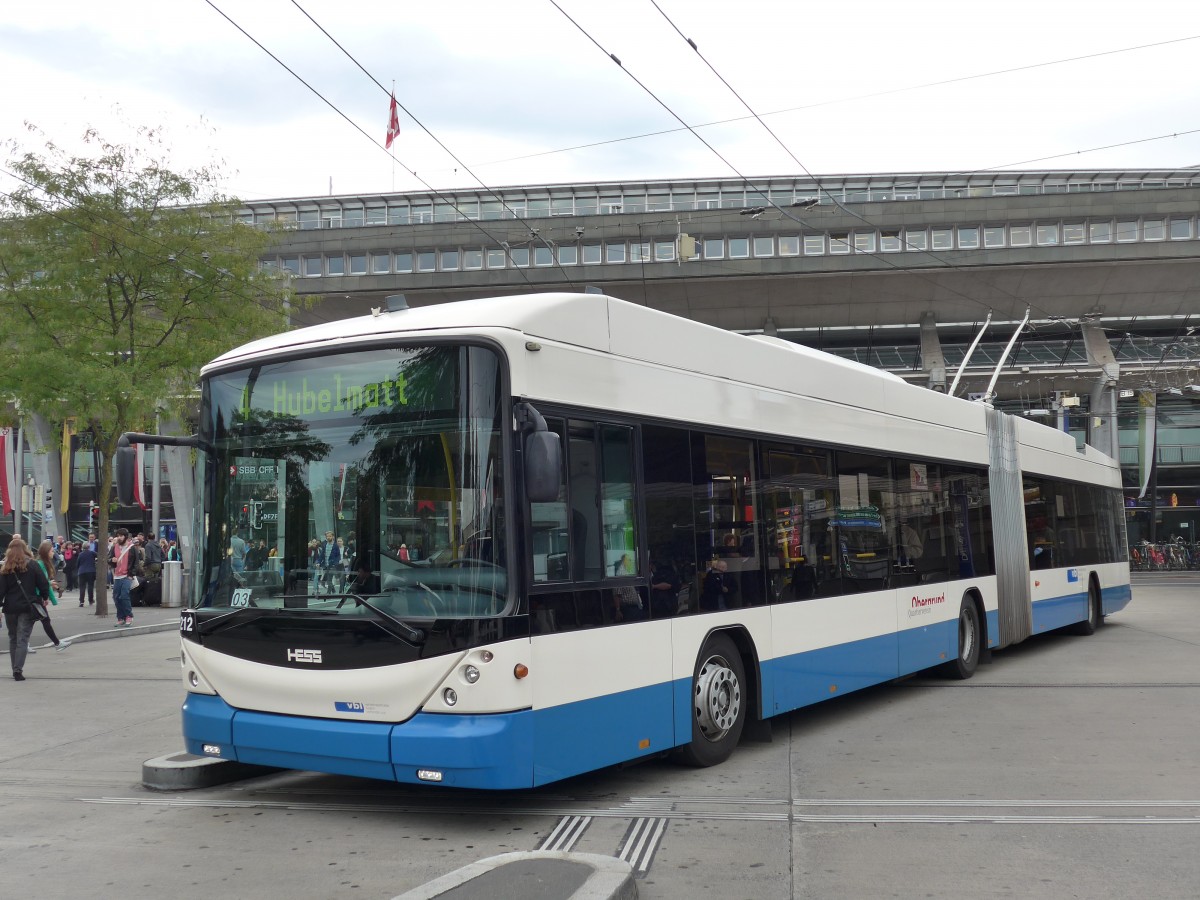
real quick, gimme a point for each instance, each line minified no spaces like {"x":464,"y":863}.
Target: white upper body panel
{"x":598,"y":352}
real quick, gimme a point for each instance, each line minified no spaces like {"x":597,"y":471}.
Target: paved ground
{"x":1067,"y":768}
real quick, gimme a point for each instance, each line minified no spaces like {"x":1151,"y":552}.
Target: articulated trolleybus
{"x":500,"y":542}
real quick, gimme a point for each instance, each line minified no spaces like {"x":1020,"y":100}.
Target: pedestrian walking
{"x":22,"y":587}
{"x":122,"y":562}
{"x":45,"y":561}
{"x":86,"y":573}
{"x":70,"y":563}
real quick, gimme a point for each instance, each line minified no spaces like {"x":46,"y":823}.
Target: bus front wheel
{"x":718,"y":703}
{"x":970,"y":636}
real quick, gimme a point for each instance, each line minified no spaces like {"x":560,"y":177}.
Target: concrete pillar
{"x":181,"y":477}
{"x":1103,"y":433}
{"x":45,"y":444}
{"x":933,"y":361}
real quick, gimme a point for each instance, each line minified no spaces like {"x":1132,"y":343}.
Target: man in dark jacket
{"x":86,"y":573}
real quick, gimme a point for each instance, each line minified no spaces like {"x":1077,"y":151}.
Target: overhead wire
{"x":868,"y":96}
{"x":534,"y":234}
{"x":747,"y":181}
{"x":449,"y":200}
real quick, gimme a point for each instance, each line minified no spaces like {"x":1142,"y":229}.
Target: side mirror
{"x":125,"y":470}
{"x":543,"y":466}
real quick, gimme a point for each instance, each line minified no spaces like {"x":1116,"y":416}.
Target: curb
{"x":188,"y":772}
{"x":89,"y":636}
{"x":540,"y":875}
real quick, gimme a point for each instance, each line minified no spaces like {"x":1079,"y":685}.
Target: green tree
{"x":119,"y":279}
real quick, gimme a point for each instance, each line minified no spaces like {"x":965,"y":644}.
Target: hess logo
{"x":304,"y":656}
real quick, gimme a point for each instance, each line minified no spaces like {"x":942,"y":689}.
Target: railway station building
{"x":1069,"y":296}
{"x":1093,"y":277}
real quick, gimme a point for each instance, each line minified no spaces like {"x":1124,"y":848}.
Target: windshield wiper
{"x":413,"y":635}
{"x":209,"y":625}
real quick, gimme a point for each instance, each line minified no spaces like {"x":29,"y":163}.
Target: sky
{"x":511,"y":92}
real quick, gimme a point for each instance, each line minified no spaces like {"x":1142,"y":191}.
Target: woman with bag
{"x":45,"y":561}
{"x":21,"y":587}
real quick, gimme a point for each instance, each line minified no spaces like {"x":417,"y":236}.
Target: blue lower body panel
{"x":493,"y":751}
{"x":1058,"y":612}
{"x":591,"y":734}
{"x":804,"y":678}
{"x":1115,"y":599}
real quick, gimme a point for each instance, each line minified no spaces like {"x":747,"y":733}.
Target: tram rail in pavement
{"x":536,"y":875}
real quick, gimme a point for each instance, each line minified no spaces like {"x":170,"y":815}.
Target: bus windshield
{"x":356,"y":484}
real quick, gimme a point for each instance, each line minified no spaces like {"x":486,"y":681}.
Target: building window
{"x":427,"y":261}
{"x":914,"y":239}
{"x":1047,"y":235}
{"x":358,"y":264}
{"x":353,"y":218}
{"x":739,"y":248}
{"x":403,"y":262}
{"x":290,"y":264}
{"x":789,"y":245}
{"x":614,"y":253}
{"x":714,"y":248}
{"x":1073,"y":233}
{"x":1100,"y":232}
{"x":1154,"y":230}
{"x":814,"y":245}
{"x":664,"y":251}
{"x":968,"y":238}
{"x":764,"y":246}
{"x":1020,"y":235}
{"x":864,"y":242}
{"x":542,"y":256}
{"x":1127,"y":232}
{"x":312,"y":266}
{"x":397,"y":215}
{"x":993,"y":236}
{"x":568,"y":255}
{"x":639,"y":252}
{"x":381,"y":263}
{"x":943,"y":239}
{"x":448,"y":261}
{"x":1181,"y":229}
{"x":889,"y":242}
{"x":562,"y":206}
{"x":376,"y":215}
{"x":839,"y":243}
{"x":335,"y":265}
{"x":472,"y":259}
{"x":496,"y":259}
{"x":519,"y":256}
{"x":591,"y":254}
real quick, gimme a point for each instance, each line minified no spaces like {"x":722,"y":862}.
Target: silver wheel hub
{"x":966,"y":636}
{"x":718,"y":699}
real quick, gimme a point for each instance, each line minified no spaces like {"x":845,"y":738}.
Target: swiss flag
{"x":393,"y":123}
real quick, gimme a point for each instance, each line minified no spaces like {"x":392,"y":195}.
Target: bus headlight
{"x":471,"y":674}
{"x":450,"y":696}
{"x":193,"y":678}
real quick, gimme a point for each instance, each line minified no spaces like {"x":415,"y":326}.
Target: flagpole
{"x":393,"y":155}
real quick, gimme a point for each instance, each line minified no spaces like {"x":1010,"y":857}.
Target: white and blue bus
{"x":500,"y":542}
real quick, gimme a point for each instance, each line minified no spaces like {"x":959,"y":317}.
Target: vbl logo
{"x":304,"y":656}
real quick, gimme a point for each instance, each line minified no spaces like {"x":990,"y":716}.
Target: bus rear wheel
{"x":970,"y":636}
{"x":718,"y":703}
{"x":1095,"y":616}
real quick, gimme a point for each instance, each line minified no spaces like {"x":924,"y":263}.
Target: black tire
{"x":1095,"y":615}
{"x":970,"y":639}
{"x":719,"y":702}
